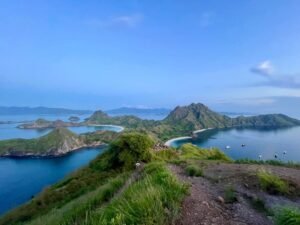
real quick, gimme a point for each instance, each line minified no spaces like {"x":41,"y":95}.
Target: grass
{"x":272,"y":183}
{"x":230,"y":195}
{"x":74,"y":212}
{"x":289,"y":164}
{"x":259,"y":205}
{"x":189,"y":151}
{"x":193,"y":170}
{"x":155,"y":199}
{"x":287,"y":216}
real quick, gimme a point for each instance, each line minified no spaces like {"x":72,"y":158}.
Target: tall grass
{"x":287,"y":216}
{"x":272,"y":183}
{"x":269,"y":162}
{"x":75,"y":211}
{"x":155,"y":199}
{"x":189,"y":151}
{"x":193,"y":170}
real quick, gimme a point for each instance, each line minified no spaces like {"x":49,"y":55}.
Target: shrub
{"x":130,"y":148}
{"x":167,"y":155}
{"x":230,"y":195}
{"x":193,"y":170}
{"x":272,"y":183}
{"x":287,"y":216}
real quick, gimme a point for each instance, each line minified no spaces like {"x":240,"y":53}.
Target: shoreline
{"x":168,"y":143}
{"x":107,"y":125}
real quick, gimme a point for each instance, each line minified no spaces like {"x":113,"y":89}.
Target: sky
{"x":231,"y":55}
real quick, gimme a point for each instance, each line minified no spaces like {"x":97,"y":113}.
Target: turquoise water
{"x":22,"y":178}
{"x":264,"y":142}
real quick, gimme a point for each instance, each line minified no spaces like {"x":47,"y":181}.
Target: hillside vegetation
{"x":58,"y":142}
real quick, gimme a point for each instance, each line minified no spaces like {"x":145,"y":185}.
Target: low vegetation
{"x":193,"y":170}
{"x":189,"y":151}
{"x":289,"y":164}
{"x":75,"y":211}
{"x":230,"y":195}
{"x":155,"y":199}
{"x":272,"y":183}
{"x":287,"y":216}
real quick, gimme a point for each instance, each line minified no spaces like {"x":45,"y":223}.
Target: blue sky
{"x":231,"y":55}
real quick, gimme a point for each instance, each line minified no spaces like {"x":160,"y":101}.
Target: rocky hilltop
{"x":58,"y":142}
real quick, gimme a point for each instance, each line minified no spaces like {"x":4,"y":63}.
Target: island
{"x":58,"y":142}
{"x":44,"y":124}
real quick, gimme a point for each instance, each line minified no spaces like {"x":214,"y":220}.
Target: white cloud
{"x":273,"y":78}
{"x":265,"y":68}
{"x":129,"y":21}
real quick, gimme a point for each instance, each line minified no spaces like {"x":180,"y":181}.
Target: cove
{"x":264,"y":142}
{"x":22,"y":178}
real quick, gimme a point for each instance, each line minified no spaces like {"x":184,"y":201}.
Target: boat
{"x":227,"y":147}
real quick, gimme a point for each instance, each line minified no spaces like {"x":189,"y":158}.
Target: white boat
{"x":227,"y":147}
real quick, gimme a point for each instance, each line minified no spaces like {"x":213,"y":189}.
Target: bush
{"x":167,"y":155}
{"x":193,"y":170}
{"x":287,"y":216}
{"x":272,"y":183}
{"x":130,"y":148}
{"x":230,"y":195}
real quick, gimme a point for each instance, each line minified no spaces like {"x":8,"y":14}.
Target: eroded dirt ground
{"x":206,"y":202}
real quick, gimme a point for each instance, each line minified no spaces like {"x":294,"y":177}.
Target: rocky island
{"x":44,"y":124}
{"x":58,"y":142}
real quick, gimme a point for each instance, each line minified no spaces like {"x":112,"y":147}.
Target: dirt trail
{"x":205,"y":206}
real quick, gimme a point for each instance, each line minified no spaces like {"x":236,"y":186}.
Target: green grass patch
{"x":230,"y":195}
{"x":289,"y":164}
{"x":189,"y":151}
{"x":155,"y":199}
{"x":166,"y":155}
{"x":287,"y":216}
{"x":74,"y":212}
{"x":272,"y":183}
{"x":193,"y":170}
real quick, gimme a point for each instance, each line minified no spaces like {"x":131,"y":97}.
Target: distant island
{"x":44,"y":124}
{"x":58,"y":142}
{"x":39,"y":110}
{"x":182,"y":121}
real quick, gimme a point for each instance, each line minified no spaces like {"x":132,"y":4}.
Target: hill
{"x":183,"y":120}
{"x":39,"y":110}
{"x":58,"y":142}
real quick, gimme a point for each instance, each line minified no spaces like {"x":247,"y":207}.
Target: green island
{"x":137,"y":181}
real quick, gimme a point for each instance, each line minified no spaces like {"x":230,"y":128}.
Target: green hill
{"x":183,"y":120}
{"x":58,"y":142}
